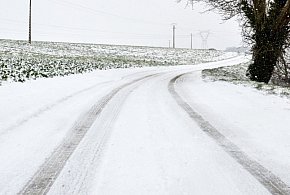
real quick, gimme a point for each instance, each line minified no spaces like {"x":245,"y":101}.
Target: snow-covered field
{"x":20,"y":61}
{"x":151,"y":130}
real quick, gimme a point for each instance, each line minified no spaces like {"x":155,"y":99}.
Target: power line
{"x":78,"y":6}
{"x":98,"y":12}
{"x":85,"y":29}
{"x":105,"y":31}
{"x":48,"y":33}
{"x":95,"y":11}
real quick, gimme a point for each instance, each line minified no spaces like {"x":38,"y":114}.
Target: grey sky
{"x":134,"y":22}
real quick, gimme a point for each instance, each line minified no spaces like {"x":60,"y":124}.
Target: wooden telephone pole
{"x":29,"y":36}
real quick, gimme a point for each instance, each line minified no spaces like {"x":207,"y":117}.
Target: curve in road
{"x":270,"y":181}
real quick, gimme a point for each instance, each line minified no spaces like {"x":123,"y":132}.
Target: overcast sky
{"x":129,"y":22}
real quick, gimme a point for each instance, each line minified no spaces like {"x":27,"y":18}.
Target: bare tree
{"x":265,"y":26}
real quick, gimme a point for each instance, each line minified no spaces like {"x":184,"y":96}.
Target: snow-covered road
{"x":158,"y":130}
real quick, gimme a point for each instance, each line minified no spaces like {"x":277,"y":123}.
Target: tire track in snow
{"x":56,"y":103}
{"x":80,"y":170}
{"x":44,"y":178}
{"x":48,"y":107}
{"x":270,"y":181}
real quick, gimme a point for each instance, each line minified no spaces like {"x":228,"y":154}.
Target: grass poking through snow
{"x":237,"y":75}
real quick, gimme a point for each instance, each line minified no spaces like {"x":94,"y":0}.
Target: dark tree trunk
{"x":267,"y":50}
{"x":264,"y":57}
{"x":262,"y":68}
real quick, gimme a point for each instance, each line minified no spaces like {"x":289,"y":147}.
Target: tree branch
{"x":260,"y":13}
{"x":284,"y":18}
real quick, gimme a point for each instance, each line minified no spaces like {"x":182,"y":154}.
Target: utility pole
{"x":29,"y":36}
{"x":191,"y":41}
{"x":173,"y":39}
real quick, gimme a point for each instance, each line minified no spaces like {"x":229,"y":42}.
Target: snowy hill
{"x":20,"y":61}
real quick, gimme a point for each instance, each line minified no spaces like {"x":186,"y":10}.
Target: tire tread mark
{"x":270,"y":181}
{"x":57,"y":102}
{"x":47,"y":108}
{"x":44,"y":178}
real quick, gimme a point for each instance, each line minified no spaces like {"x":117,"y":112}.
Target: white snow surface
{"x":151,"y":145}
